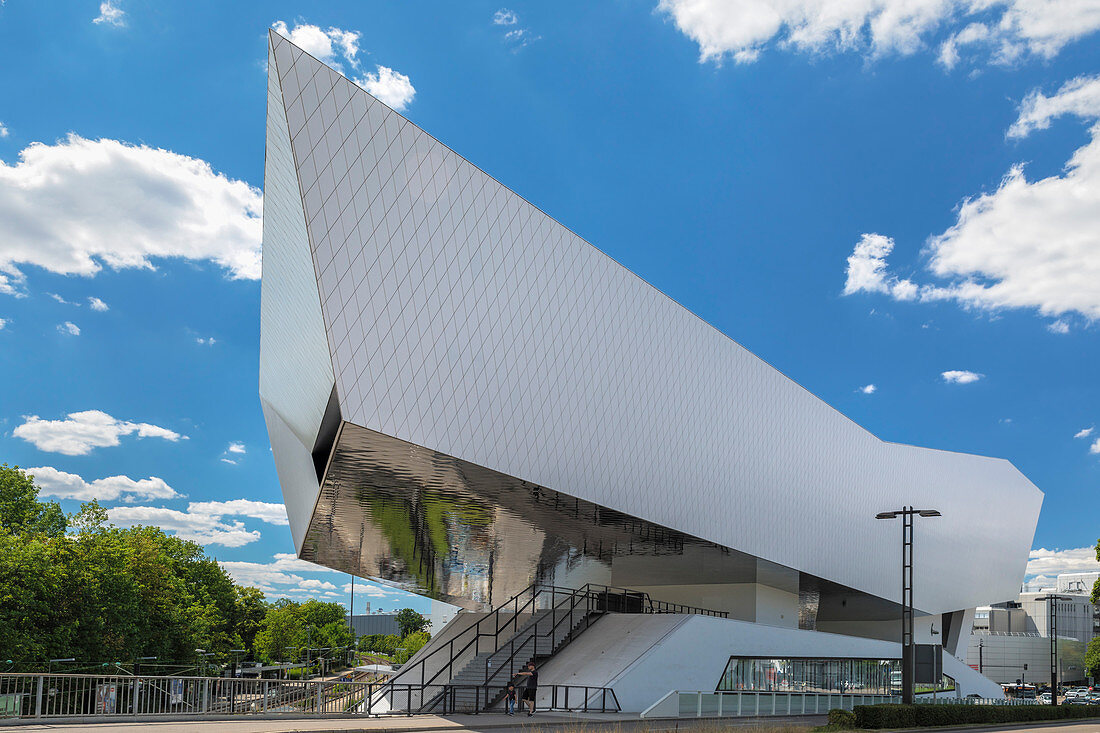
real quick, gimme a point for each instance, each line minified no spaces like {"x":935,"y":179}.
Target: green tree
{"x":106,"y":593}
{"x":20,"y":510}
{"x":410,"y":645}
{"x":281,"y":628}
{"x":370,"y":642}
{"x":251,"y":610}
{"x":389,"y":643}
{"x":409,"y":622}
{"x":1092,"y":658}
{"x":1096,"y":586}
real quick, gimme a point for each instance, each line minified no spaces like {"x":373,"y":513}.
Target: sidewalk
{"x":414,"y":724}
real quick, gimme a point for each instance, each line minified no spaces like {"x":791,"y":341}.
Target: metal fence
{"x":681,"y":704}
{"x":557,"y":698}
{"x":922,"y":700}
{"x":105,"y":696}
{"x":56,"y":696}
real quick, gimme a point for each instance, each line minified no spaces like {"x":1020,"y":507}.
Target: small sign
{"x":106,"y":697}
{"x":175,"y":691}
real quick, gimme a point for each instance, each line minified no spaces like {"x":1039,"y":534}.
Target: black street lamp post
{"x":908,"y":657}
{"x":1052,"y":628}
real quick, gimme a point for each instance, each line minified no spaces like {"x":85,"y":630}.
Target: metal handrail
{"x":559,"y":698}
{"x":590,"y":592}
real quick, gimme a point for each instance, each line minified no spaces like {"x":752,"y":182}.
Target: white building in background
{"x":1010,"y":635}
{"x":1079,"y":583}
{"x":465,"y":398}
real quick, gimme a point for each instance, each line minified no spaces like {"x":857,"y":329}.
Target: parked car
{"x":1044,"y":698}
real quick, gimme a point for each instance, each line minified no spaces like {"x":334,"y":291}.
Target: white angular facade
{"x":465,"y":397}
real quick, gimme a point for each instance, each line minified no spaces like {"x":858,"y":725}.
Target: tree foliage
{"x":1096,"y":586}
{"x":1092,"y":658}
{"x":410,"y":622}
{"x":289,"y":629}
{"x":78,"y":587}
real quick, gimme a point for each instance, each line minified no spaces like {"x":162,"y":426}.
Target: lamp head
{"x":886,"y":515}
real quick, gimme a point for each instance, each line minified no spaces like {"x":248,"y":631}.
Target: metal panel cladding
{"x":461,"y":318}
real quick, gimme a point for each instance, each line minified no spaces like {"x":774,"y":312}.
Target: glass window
{"x":850,"y":676}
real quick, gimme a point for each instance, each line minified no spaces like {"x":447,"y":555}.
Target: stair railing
{"x":593,"y":596}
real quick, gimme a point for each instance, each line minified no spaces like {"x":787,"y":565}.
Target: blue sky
{"x":904,"y":196}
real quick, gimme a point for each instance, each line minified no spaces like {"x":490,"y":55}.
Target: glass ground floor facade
{"x":852,"y":676}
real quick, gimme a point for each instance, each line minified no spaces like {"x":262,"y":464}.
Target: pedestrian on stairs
{"x":532,"y":687}
{"x":510,"y":696}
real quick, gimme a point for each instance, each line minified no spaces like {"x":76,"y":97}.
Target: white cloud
{"x":68,"y":328}
{"x":1052,"y":562}
{"x":328,"y":46}
{"x":98,"y":305}
{"x":335,"y":46}
{"x":236,"y":448}
{"x":1084,"y":432}
{"x":867,"y":269}
{"x":284,"y":570}
{"x":2,"y":323}
{"x":1005,"y":31}
{"x":515,"y":36}
{"x":288,"y":561}
{"x":206,"y":342}
{"x":391,"y":87}
{"x":368,"y":589}
{"x":961,"y":376}
{"x":1059,"y":327}
{"x":77,"y":205}
{"x":1028,"y":244}
{"x":110,"y":14}
{"x":868,"y":389}
{"x":1079,"y":97}
{"x":314,"y":584}
{"x":262,"y":510}
{"x":3,"y":130}
{"x":80,"y":432}
{"x":61,"y":300}
{"x":205,"y":529}
{"x":230,"y":461}
{"x":62,"y":485}
{"x":1095,"y":447}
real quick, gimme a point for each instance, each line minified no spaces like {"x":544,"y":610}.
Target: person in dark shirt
{"x":531,"y":688}
{"x":510,"y":696}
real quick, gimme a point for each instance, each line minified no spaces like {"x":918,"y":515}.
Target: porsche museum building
{"x":464,"y":398}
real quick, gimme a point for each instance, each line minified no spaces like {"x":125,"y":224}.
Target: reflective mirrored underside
{"x":448,"y":529}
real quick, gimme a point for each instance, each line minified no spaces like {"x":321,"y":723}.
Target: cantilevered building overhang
{"x":465,"y":397}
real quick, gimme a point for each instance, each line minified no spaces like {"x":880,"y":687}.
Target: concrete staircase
{"x":480,"y":684}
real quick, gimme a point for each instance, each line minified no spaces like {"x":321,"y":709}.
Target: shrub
{"x":842,"y":719}
{"x":910,"y":716}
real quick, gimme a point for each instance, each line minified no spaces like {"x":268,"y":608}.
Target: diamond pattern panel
{"x":463,"y":319}
{"x":296,"y":375}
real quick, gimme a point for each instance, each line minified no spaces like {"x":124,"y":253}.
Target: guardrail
{"x":561,"y":698}
{"x":701,"y":704}
{"x":46,"y":696}
{"x":502,"y":623}
{"x":921,"y":700}
{"x":115,"y":697}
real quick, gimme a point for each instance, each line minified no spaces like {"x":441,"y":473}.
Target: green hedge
{"x":842,"y":719}
{"x":913,"y":716}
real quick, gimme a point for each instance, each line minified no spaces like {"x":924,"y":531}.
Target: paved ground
{"x":502,"y":724}
{"x":428,"y":724}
